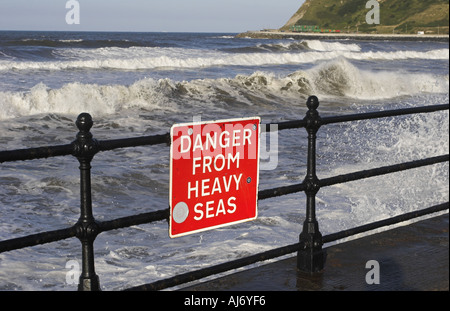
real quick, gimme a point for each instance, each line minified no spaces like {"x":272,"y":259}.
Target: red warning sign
{"x":214,"y":174}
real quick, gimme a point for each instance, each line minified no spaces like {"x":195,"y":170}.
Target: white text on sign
{"x":214,"y":174}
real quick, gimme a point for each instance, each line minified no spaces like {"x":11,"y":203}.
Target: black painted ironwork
{"x":311,"y":258}
{"x":87,"y":229}
{"x":310,"y":254}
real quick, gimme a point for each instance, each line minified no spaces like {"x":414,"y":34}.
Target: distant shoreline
{"x":340,"y":36}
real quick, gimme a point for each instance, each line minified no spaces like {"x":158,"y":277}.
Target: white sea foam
{"x":71,"y":40}
{"x":138,"y":58}
{"x":332,"y":79}
{"x":75,"y":97}
{"x":332,"y":46}
{"x":341,"y":78}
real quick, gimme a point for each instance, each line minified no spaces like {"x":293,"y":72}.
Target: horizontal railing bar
{"x":276,"y":192}
{"x":382,"y":171}
{"x":65,"y":150}
{"x":37,"y":239}
{"x":62,"y":234}
{"x":106,"y":145}
{"x":223,"y":267}
{"x":144,"y":218}
{"x":385,"y":222}
{"x":35,"y":153}
{"x":383,"y":114}
{"x":134,"y":220}
{"x":286,"y":125}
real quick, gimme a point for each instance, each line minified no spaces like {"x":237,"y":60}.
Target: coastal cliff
{"x":412,"y":20}
{"x":396,"y":16}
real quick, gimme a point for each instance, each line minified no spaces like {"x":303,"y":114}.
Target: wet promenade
{"x":411,"y":258}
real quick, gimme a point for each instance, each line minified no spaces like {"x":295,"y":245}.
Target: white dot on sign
{"x":180,"y":212}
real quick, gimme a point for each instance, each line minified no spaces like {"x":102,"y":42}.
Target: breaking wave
{"x":332,"y":79}
{"x":306,"y":45}
{"x":79,"y":43}
{"x":318,"y":45}
{"x":146,"y":58}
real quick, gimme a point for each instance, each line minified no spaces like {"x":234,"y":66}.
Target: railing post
{"x":84,"y":148}
{"x":311,"y":257}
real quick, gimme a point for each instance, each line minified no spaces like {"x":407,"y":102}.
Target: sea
{"x":136,"y":84}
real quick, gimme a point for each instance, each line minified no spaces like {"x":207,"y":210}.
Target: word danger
{"x":213,"y":143}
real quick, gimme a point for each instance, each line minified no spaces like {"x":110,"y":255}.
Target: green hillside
{"x":396,"y":16}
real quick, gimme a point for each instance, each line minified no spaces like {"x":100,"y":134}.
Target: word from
{"x":234,"y":301}
{"x":73,"y":275}
{"x":73,"y":15}
{"x":373,"y":276}
{"x":373,"y":16}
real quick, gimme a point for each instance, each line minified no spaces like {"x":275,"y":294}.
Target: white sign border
{"x":171,"y":171}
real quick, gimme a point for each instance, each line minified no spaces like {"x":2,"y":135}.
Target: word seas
{"x":215,"y":188}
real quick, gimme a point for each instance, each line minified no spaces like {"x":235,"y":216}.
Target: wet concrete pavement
{"x":411,"y":258}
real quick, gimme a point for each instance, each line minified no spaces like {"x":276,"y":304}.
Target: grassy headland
{"x":396,"y":16}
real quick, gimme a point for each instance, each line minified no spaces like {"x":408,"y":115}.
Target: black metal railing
{"x":310,"y":254}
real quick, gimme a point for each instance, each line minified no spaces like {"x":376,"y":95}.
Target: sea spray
{"x":381,"y":142}
{"x":334,"y":79}
{"x":173,"y":58}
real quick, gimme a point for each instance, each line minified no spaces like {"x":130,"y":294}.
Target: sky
{"x":146,"y":15}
